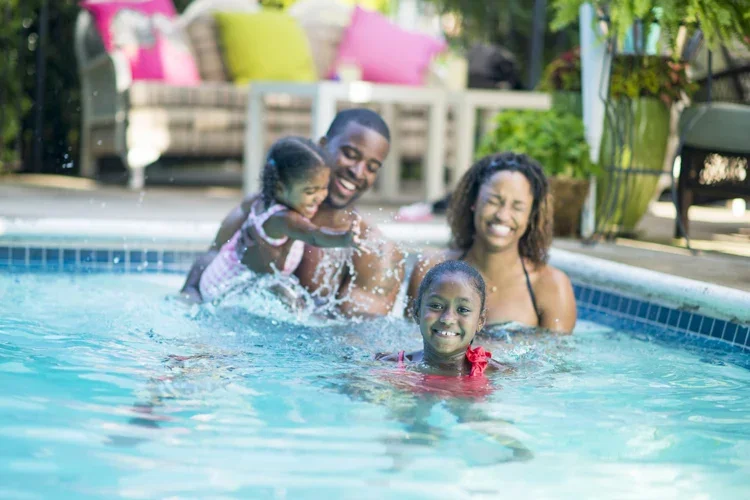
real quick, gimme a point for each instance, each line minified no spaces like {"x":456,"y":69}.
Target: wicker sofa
{"x":140,"y":122}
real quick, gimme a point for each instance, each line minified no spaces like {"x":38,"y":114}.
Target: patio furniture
{"x":466,"y":105}
{"x":141,"y":122}
{"x":715,"y":157}
{"x":442,"y":106}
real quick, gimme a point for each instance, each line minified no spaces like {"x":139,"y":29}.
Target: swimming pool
{"x":112,"y":390}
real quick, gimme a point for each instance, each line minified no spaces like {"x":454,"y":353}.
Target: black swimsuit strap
{"x":528,"y":284}
{"x":531,"y":290}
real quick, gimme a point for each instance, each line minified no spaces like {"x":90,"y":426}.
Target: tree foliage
{"x":20,"y":41}
{"x":507,"y":23}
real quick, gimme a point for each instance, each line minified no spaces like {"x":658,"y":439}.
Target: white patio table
{"x":468,"y":102}
{"x":325,"y":96}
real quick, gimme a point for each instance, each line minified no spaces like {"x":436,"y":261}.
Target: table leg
{"x":465,"y":132}
{"x":390,"y":178}
{"x":435,"y":161}
{"x":253,"y":159}
{"x":323,"y":112}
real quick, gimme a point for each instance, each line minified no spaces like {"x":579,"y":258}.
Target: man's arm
{"x":374,"y":287}
{"x":230,"y":225}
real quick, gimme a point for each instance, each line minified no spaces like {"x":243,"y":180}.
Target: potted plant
{"x":643,"y":89}
{"x":557,"y":140}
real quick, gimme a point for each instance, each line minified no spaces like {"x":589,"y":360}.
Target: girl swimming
{"x":294,"y":183}
{"x":450,"y":311}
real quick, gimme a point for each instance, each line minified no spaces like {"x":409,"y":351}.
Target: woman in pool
{"x":450,"y":310}
{"x":294,"y":184}
{"x":501,"y":224}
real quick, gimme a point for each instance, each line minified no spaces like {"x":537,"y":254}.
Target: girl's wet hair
{"x":290,"y":159}
{"x":451,"y":267}
{"x":534,"y":244}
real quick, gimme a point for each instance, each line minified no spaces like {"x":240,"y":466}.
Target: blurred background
{"x":102,"y":91}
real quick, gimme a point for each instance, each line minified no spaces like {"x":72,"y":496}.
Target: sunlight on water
{"x":112,"y":388}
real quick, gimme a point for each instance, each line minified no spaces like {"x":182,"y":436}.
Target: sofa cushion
{"x":200,"y":26}
{"x":146,"y":32}
{"x":266,"y":45}
{"x":397,"y":57}
{"x":324,"y":22}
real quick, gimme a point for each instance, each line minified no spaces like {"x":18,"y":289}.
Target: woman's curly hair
{"x":534,"y":244}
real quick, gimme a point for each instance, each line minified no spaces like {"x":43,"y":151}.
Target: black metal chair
{"x":715,"y":155}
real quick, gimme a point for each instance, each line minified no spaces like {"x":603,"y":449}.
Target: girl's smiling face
{"x":450,"y":315}
{"x":304,"y":196}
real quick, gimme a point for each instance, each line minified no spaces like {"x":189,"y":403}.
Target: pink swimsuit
{"x":472,"y":386}
{"x":219,"y":276}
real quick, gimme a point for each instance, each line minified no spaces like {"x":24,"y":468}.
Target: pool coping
{"x":683,"y":293}
{"x":109,"y":231}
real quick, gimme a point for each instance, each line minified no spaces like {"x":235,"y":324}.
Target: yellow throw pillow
{"x":266,"y":45}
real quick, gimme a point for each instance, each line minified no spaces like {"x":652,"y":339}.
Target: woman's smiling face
{"x":502,"y":209}
{"x":450,"y":315}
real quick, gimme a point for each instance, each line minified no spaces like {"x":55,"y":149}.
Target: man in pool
{"x":368,"y":284}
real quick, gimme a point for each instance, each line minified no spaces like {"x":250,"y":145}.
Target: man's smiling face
{"x":359,"y":153}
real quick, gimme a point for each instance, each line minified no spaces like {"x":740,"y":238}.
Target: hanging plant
{"x":632,"y":76}
{"x":719,"y":20}
{"x":563,"y":73}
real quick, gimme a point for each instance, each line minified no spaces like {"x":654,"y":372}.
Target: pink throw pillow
{"x":384,"y":52}
{"x":146,"y":32}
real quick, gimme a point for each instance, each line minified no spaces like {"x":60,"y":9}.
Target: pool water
{"x":112,"y":390}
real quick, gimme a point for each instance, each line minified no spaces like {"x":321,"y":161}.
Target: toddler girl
{"x":294,"y":184}
{"x":450,"y":311}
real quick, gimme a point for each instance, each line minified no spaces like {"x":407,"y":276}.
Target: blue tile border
{"x":20,"y":259}
{"x":642,"y":312}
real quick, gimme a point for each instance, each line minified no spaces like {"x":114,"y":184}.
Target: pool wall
{"x":643,"y":297}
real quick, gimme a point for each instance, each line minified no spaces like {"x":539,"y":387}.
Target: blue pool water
{"x":110,"y":390}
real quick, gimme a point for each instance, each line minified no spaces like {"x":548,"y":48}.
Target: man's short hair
{"x":361,"y":116}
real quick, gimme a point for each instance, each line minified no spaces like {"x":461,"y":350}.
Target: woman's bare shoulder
{"x":551,"y":279}
{"x":556,"y":299}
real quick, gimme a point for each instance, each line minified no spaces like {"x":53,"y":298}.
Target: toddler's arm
{"x":297,"y":227}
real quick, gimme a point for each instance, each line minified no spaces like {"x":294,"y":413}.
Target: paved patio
{"x":724,"y":239}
